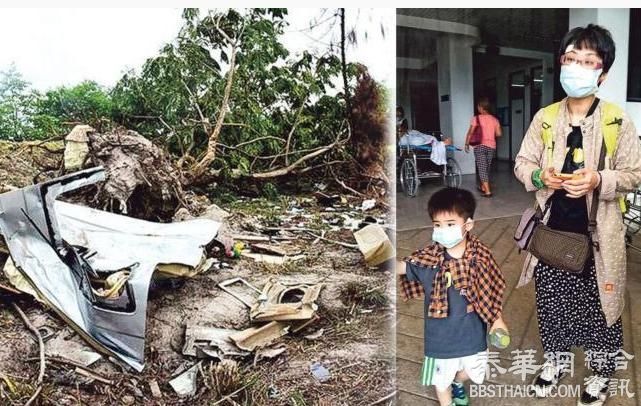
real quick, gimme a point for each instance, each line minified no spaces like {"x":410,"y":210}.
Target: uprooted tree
{"x":230,"y":104}
{"x":228,"y":96}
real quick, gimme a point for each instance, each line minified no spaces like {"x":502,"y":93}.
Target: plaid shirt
{"x":476,"y":275}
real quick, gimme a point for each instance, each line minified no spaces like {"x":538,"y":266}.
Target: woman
{"x":485,"y":150}
{"x":581,"y":309}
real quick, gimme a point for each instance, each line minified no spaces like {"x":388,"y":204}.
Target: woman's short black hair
{"x":452,"y":200}
{"x":591,"y":37}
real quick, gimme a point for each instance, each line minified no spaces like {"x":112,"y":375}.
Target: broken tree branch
{"x":290,"y":168}
{"x":343,"y":244}
{"x":41,"y":346}
{"x":228,"y":397}
{"x":209,"y":157}
{"x":383,"y":399}
{"x":203,"y":120}
{"x":291,"y":132}
{"x":34,"y":396}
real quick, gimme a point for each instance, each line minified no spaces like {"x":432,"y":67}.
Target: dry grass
{"x":232,"y":386}
{"x":360,"y":294}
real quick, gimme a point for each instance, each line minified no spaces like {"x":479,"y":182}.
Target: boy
{"x":463,"y":290}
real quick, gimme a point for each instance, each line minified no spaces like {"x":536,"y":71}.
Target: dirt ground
{"x":354,"y":309}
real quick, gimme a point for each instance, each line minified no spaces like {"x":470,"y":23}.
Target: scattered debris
{"x":368,"y":204}
{"x":316,"y":335}
{"x":281,"y":302}
{"x":263,"y":336}
{"x":326,"y":200}
{"x":63,"y":346}
{"x":128,"y":400}
{"x":224,"y":285}
{"x":92,"y":375}
{"x":185,"y":384}
{"x":155,"y":389}
{"x":269,"y":353}
{"x":210,"y":341}
{"x":319,"y":372}
{"x":271,"y":259}
{"x":276,"y":249}
{"x":375,"y":244}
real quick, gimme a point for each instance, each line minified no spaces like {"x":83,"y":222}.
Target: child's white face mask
{"x":449,"y":237}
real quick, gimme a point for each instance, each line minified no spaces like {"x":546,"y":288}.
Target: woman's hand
{"x":551,"y":181}
{"x":467,"y":147}
{"x":587,"y":180}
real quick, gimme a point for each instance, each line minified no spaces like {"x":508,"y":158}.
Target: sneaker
{"x":547,"y":379}
{"x":459,"y":397}
{"x":596,"y":391}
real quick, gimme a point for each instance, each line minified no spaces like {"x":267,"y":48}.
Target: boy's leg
{"x":444,"y":396}
{"x":461,"y":376}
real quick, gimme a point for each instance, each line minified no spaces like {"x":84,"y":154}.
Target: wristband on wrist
{"x":536,"y":179}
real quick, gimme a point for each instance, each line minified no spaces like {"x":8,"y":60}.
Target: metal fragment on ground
{"x":71,"y":348}
{"x":185,"y":383}
{"x":263,"y":336}
{"x":210,"y":341}
{"x":281,"y":302}
{"x":62,"y":248}
{"x":225,"y":285}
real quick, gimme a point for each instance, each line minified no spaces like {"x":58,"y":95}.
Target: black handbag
{"x":560,"y":249}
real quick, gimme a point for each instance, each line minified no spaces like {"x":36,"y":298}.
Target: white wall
{"x":634,"y":110}
{"x":617,"y":21}
{"x":455,"y":78}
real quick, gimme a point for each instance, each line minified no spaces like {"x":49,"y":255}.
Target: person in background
{"x":484,"y":152}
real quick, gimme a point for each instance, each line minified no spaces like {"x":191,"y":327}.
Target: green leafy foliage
{"x":16,"y":106}
{"x":281,"y":106}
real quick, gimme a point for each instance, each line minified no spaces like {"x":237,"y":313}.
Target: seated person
{"x":417,"y":138}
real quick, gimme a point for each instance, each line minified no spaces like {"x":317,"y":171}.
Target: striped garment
{"x":476,"y":275}
{"x":483,"y":156}
{"x":427,"y":372}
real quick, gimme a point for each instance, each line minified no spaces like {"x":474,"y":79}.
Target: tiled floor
{"x":496,"y":226}
{"x":509,"y":199}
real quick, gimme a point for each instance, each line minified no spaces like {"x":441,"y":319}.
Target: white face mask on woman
{"x":578,"y":81}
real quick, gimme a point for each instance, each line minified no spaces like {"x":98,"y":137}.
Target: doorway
{"x":425,"y":106}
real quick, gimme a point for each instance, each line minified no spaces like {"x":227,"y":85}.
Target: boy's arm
{"x":491,"y":284}
{"x":400,"y":267}
{"x":410,"y":286}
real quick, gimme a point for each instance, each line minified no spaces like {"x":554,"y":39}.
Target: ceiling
{"x":532,"y":29}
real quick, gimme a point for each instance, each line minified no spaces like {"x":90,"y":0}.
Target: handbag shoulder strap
{"x":595,"y":196}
